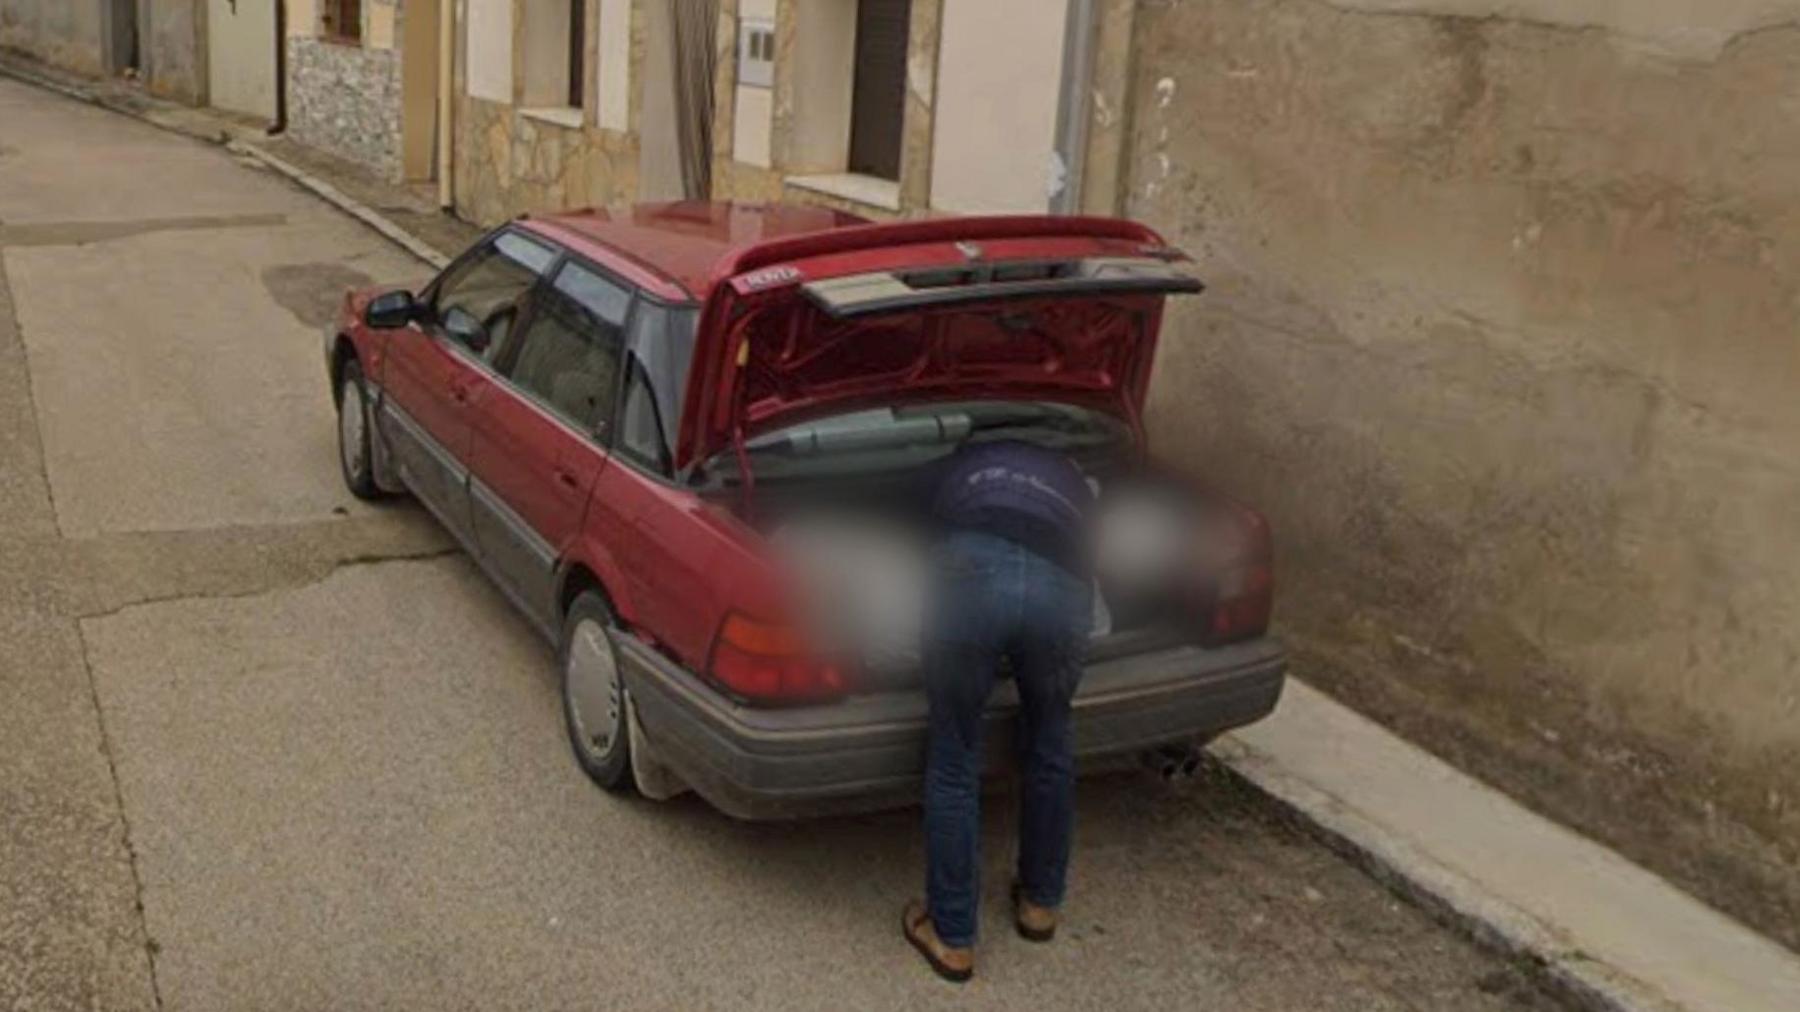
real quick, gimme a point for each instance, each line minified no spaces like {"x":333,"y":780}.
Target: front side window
{"x":658,"y":353}
{"x":568,"y":356}
{"x":479,"y":300}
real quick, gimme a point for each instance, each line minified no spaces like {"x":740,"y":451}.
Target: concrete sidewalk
{"x":1606,"y":931}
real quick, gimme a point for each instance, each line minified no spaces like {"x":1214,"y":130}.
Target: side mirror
{"x":391,"y":310}
{"x":462,"y":327}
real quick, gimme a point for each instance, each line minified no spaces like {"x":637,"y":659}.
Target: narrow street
{"x":265,"y":747}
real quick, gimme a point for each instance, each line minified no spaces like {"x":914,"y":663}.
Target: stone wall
{"x":508,"y":164}
{"x":1504,"y":331}
{"x":346,"y":100}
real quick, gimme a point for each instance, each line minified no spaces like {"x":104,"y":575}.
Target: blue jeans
{"x":998,"y":601}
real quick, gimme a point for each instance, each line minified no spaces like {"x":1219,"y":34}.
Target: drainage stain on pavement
{"x":312,"y":292}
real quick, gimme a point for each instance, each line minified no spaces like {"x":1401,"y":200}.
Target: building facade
{"x":362,"y":80}
{"x":887,"y":108}
{"x":161,"y":43}
{"x":549,"y":111}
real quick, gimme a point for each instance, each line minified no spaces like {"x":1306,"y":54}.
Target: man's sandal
{"x":1034,"y":923}
{"x":954,"y":965}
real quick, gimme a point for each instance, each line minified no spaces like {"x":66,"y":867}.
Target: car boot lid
{"x":1038,"y":308}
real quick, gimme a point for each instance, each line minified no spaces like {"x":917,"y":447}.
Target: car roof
{"x":673,"y":249}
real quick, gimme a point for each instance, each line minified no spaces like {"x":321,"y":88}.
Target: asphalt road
{"x":262,"y":747}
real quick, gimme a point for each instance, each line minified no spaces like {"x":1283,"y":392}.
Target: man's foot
{"x":955,"y":965}
{"x":1035,"y":923}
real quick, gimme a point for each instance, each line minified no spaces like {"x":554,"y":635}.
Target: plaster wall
{"x":1504,"y":332}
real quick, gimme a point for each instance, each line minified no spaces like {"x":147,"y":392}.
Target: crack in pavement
{"x":21,"y":443}
{"x":77,"y":577}
{"x":112,"y":770}
{"x":50,"y":581}
{"x":277,"y":587}
{"x":151,"y":946}
{"x":81,"y":233}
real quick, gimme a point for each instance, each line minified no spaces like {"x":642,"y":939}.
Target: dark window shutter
{"x":878,"y":103}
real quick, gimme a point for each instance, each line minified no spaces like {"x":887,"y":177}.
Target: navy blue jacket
{"x":1014,"y":490}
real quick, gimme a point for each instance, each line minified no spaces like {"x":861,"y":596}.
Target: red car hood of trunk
{"x":772,"y":351}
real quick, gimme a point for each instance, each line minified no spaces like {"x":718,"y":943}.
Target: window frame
{"x":602,"y":433}
{"x":570,"y":56}
{"x":579,"y":64}
{"x":331,"y":18}
{"x":859,"y":162}
{"x":663,"y":470}
{"x":499,"y":371}
{"x":640,"y":297}
{"x":432,"y":324}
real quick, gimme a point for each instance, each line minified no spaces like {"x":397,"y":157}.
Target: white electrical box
{"x":756,"y":52}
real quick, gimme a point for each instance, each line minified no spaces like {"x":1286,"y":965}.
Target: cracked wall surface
{"x":1687,"y":29}
{"x":71,"y":35}
{"x":175,"y":49}
{"x":1502,"y":331}
{"x":58,"y":32}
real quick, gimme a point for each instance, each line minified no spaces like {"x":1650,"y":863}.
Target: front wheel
{"x":355,"y":452}
{"x":594,"y":694}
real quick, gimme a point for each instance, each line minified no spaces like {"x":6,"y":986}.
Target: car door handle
{"x":566,"y":478}
{"x":459,"y":392}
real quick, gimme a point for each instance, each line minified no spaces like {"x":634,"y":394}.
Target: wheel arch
{"x":343,"y":351}
{"x":578,"y":577}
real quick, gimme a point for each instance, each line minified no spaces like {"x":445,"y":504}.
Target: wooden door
{"x":878,"y":101}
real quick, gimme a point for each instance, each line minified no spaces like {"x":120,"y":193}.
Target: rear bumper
{"x":868,"y":752}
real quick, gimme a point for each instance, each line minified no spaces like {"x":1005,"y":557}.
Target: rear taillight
{"x":769,"y":663}
{"x":1243,"y":596}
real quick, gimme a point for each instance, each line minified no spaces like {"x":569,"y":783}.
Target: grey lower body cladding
{"x":868,"y":752}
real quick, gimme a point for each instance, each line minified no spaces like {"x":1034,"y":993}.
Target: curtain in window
{"x":695,"y":38}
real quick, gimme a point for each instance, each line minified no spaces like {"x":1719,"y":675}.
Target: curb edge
{"x":1449,"y":896}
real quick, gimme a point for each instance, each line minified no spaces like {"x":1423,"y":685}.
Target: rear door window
{"x":659,"y":350}
{"x":568,"y":357}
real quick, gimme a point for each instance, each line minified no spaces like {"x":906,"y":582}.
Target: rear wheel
{"x":594,"y":694}
{"x":355,"y":453}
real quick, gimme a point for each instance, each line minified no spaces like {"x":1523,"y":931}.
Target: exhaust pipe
{"x":1173,"y":762}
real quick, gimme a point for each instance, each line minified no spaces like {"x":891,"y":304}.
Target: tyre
{"x":355,"y":452}
{"x":594,"y":693}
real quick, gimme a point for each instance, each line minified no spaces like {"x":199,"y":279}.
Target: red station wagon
{"x":630,"y":418}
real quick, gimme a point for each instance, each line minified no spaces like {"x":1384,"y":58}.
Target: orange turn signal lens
{"x":760,"y":638}
{"x":763,"y":662}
